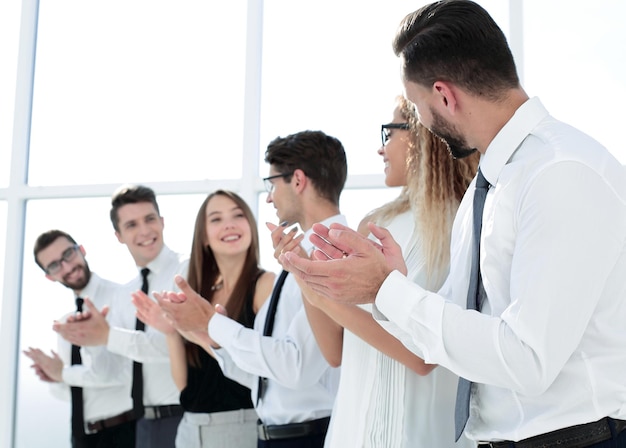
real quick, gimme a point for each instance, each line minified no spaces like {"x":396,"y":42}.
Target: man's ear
{"x":118,"y":236}
{"x":298,"y":180}
{"x":446,"y":93}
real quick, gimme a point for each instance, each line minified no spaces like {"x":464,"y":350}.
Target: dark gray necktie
{"x":78,"y":424}
{"x":475,"y":296}
{"x":137,"y":388}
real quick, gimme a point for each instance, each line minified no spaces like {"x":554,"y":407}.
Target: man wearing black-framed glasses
{"x":101,"y":409}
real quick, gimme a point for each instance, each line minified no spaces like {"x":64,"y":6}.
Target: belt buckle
{"x":262,"y":432}
{"x":150,"y":413}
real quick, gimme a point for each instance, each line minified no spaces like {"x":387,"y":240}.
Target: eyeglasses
{"x":385,"y":130}
{"x":269,"y":185}
{"x":67,"y":256}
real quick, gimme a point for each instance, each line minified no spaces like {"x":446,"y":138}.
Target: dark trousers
{"x":157,"y":433}
{"x":315,"y":441}
{"x":120,"y":436}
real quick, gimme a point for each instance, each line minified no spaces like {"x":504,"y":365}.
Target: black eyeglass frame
{"x":269,"y":185}
{"x":68,"y":254}
{"x":385,"y":136}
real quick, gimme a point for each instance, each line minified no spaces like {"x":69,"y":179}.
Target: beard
{"x":457,"y":146}
{"x":79,"y":284}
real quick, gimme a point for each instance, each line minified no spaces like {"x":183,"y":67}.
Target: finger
{"x":383,"y":235}
{"x":277,"y":233}
{"x":331,"y":251}
{"x":319,"y":255}
{"x":271,"y":226}
{"x":348,"y":240}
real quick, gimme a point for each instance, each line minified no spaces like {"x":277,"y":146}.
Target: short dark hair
{"x":130,"y":194}
{"x":320,"y":156}
{"x":46,"y":239}
{"x":456,"y":41}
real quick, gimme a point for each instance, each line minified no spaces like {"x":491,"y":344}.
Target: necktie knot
{"x":481,"y":182}
{"x":144,"y":276}
{"x":79,"y":304}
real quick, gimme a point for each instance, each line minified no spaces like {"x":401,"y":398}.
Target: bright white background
{"x":167,"y":93}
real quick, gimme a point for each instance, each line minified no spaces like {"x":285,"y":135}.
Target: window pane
{"x":43,"y":420}
{"x":141,"y":90}
{"x":9,"y":34}
{"x":335,"y":71}
{"x":578,"y":68}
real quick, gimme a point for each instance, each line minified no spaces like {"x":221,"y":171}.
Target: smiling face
{"x":227,"y":228}
{"x":284,"y":198}
{"x":73,"y":273}
{"x":395,"y":152}
{"x":141,"y":230}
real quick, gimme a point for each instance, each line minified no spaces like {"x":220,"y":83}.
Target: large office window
{"x":138,"y":91}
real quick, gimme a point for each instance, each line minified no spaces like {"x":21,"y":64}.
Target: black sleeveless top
{"x":208,"y":390}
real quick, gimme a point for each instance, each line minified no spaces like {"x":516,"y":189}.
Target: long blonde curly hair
{"x":435,"y":186}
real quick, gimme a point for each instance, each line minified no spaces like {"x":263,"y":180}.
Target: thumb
{"x":184,"y":286}
{"x":90,"y":306}
{"x":271,"y":226}
{"x":221,"y":310}
{"x":105,"y":310}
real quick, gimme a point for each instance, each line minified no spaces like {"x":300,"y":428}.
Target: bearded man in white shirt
{"x":544,"y":352}
{"x":102,"y":413}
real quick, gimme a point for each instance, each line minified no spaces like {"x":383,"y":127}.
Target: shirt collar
{"x":510,"y":137}
{"x":307,"y":245}
{"x":159,"y":262}
{"x":92,"y":286}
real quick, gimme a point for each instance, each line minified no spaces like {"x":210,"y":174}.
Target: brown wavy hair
{"x":435,"y":186}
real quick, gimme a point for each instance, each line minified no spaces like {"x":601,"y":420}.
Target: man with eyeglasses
{"x":101,"y":405}
{"x":292,"y":386}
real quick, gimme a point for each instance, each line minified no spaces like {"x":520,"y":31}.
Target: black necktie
{"x":78,"y":423}
{"x":269,"y":324}
{"x":137,"y":388}
{"x":475,"y":295}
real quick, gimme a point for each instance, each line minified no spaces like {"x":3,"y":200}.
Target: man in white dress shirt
{"x":138,"y":224}
{"x":297,"y":386}
{"x":545,"y":354}
{"x":103,"y":399}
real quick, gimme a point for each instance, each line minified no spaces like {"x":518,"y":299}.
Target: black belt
{"x":169,"y":410}
{"x":293,"y":430}
{"x":578,"y":436}
{"x":99,"y":425}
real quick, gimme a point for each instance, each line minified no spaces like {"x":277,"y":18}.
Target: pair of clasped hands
{"x":345,"y":267}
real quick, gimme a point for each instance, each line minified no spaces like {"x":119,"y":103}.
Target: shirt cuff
{"x":72,"y":375}
{"x":396,"y":298}
{"x":118,"y":340}
{"x":222,"y":329}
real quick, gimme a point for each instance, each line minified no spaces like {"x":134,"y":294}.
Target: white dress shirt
{"x":148,"y":347}
{"x":301,"y":385}
{"x":548,"y":350}
{"x":106,"y":386}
